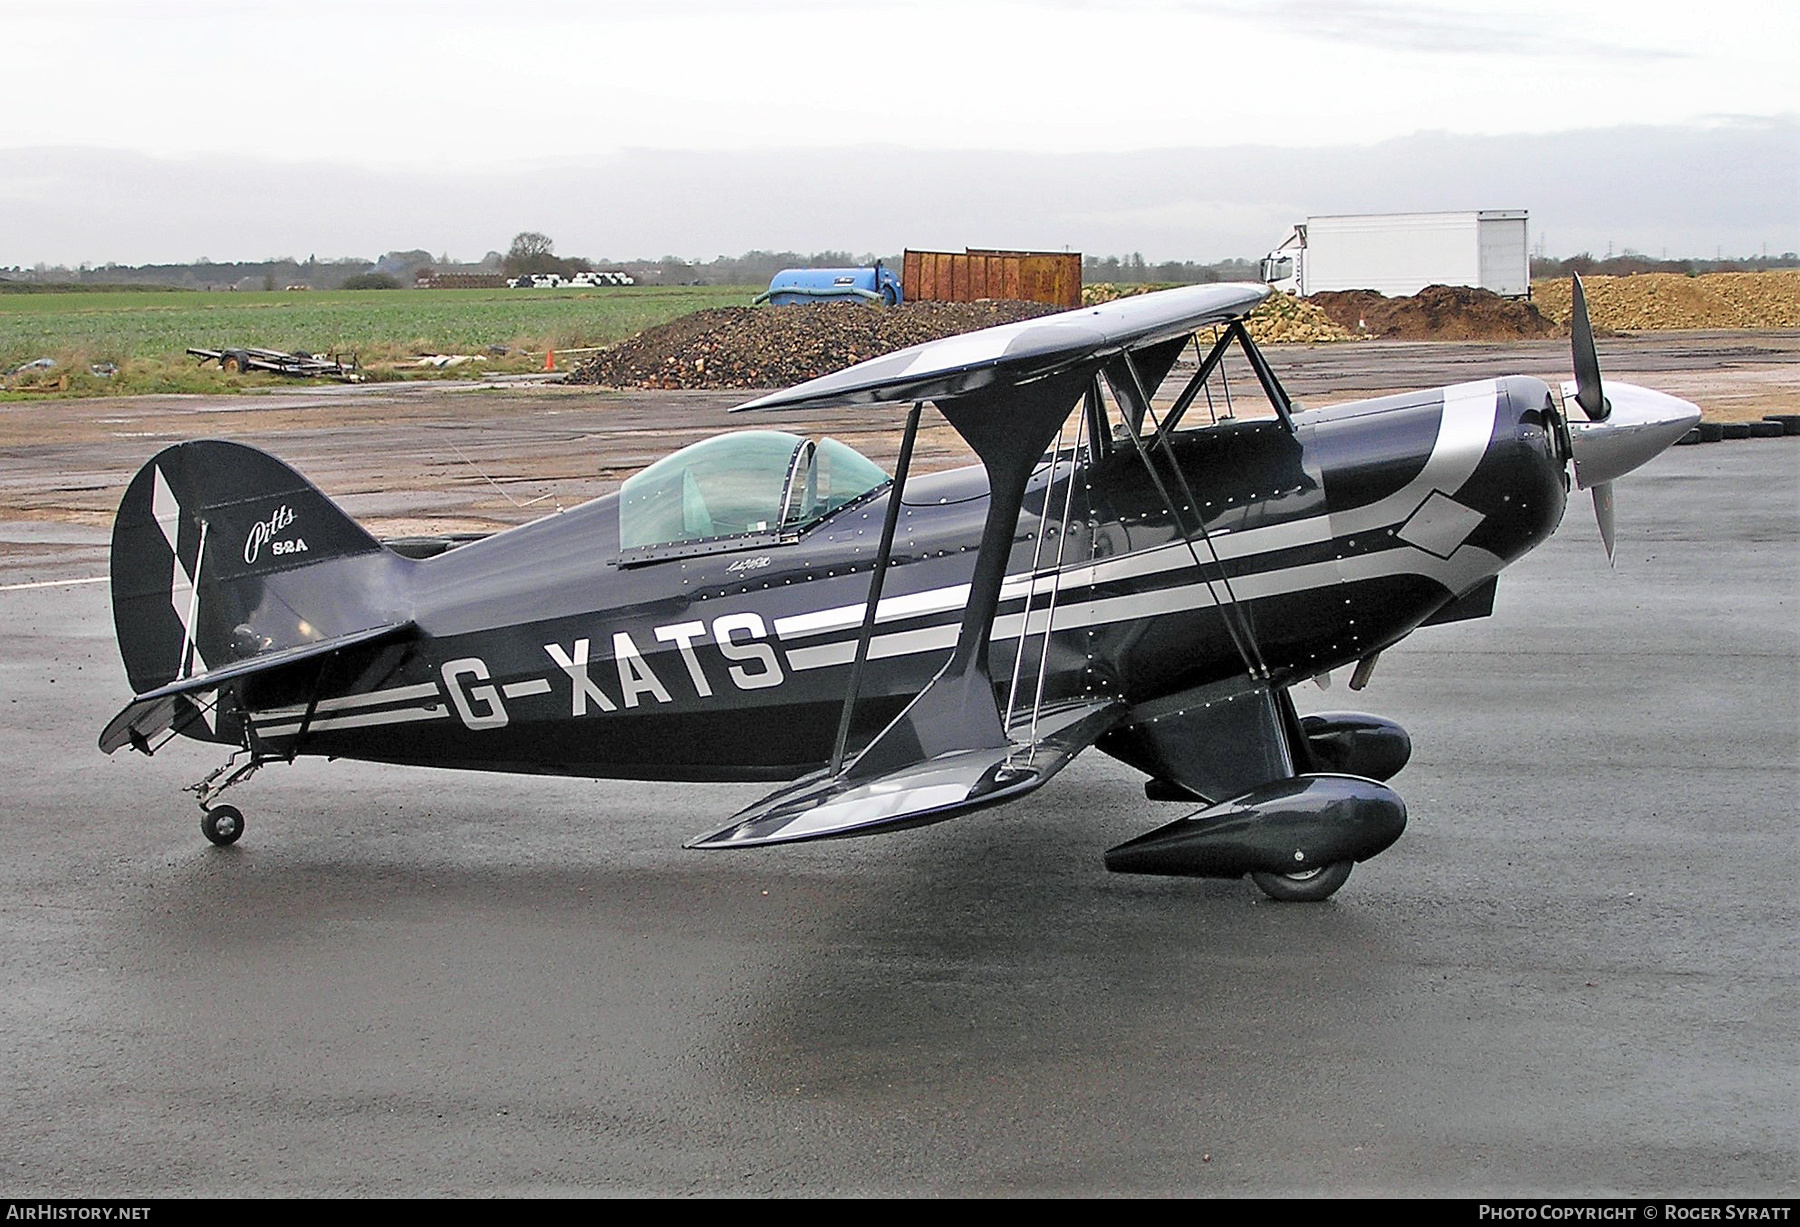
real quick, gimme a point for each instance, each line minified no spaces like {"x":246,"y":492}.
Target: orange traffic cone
{"x":550,"y":360}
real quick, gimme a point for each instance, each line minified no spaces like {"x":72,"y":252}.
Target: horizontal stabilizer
{"x":157,"y":710}
{"x":823,"y":806}
{"x":1022,"y":352}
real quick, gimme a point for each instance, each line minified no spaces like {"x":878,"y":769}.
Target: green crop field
{"x":146,"y":333}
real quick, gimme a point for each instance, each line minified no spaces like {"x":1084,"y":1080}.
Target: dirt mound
{"x":1651,"y":301}
{"x":1435,"y":313}
{"x":773,"y":347}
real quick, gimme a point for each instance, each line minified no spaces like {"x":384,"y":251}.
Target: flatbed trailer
{"x":299,"y":365}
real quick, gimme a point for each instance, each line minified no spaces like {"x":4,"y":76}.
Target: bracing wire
{"x":1037,"y":551}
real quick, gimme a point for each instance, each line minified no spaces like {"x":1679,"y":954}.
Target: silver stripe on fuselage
{"x":891,"y":609}
{"x":1465,"y":428}
{"x":400,"y":715}
{"x":1457,"y":574}
{"x":371,"y":698}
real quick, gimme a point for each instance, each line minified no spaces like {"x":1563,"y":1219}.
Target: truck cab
{"x":1284,"y":267}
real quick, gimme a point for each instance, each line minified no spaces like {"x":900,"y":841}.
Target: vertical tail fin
{"x":221,"y":552}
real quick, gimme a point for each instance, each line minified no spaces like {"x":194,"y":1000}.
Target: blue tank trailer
{"x":791,"y":286}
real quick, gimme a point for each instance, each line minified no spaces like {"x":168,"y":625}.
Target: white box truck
{"x":1397,"y":254}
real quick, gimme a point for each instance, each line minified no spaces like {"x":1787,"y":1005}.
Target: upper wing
{"x":1021,"y":353}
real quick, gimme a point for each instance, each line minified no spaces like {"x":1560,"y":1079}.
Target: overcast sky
{"x":172,"y":129}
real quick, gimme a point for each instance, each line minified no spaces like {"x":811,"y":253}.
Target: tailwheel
{"x":1307,"y":886}
{"x":222,"y":824}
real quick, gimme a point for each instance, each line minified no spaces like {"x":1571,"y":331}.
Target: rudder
{"x":207,"y":550}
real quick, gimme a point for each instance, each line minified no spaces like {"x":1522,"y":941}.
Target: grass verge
{"x":145,"y":334}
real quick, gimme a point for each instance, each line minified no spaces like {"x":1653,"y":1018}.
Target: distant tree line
{"x":393,"y":268}
{"x":202,"y":274}
{"x":532,"y":252}
{"x":751,"y":268}
{"x":1134,"y":270}
{"x":1629,"y":262}
{"x":757,"y":267}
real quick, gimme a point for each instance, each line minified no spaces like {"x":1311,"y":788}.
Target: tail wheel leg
{"x":224,"y":824}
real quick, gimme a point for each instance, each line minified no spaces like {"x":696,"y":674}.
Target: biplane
{"x":1126,"y":568}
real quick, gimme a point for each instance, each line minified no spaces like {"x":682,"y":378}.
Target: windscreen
{"x":750,"y":483}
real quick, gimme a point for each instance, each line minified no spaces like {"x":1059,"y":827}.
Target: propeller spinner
{"x":1623,"y":430}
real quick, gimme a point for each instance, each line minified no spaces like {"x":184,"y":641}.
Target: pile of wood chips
{"x":1284,"y":319}
{"x":1281,"y":318}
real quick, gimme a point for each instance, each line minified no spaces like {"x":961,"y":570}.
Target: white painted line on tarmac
{"x":54,"y":583}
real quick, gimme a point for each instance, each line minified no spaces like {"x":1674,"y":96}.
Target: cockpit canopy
{"x":747,"y":488}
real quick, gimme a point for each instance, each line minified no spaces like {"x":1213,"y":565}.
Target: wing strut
{"x":1271,"y":386}
{"x":1243,"y":636}
{"x":1265,"y":375}
{"x":1198,"y":383}
{"x":882,"y":556}
{"x":1009,"y":426}
{"x":1037,"y":558}
{"x":1056,"y":575}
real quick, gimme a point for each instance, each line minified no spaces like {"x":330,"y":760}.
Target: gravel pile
{"x":776,"y":347}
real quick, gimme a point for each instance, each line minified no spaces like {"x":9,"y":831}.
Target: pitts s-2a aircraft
{"x":765,"y":607}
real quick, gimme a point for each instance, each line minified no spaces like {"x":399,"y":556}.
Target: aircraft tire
{"x":222,"y":824}
{"x":1308,"y":887}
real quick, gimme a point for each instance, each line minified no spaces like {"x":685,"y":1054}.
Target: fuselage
{"x":544,"y":649}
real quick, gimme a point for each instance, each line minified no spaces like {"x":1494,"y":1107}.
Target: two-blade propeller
{"x":1623,"y":430}
{"x":1588,"y":392}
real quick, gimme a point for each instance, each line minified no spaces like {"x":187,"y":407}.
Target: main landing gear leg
{"x":223,"y":824}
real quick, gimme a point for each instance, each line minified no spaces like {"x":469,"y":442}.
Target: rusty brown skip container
{"x":1052,"y":277}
